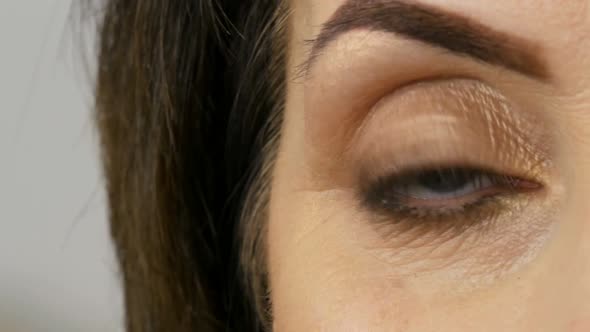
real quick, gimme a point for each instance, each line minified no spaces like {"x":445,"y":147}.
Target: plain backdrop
{"x":57,"y":271}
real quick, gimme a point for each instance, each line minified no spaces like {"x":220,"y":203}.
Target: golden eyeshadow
{"x":457,"y":122}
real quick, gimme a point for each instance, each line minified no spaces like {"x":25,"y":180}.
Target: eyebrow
{"x":435,"y":27}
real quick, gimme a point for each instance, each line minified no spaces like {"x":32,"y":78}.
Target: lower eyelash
{"x":437,"y":213}
{"x":395,"y":220}
{"x":391,"y":210}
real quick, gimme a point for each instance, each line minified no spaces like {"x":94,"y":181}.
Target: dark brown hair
{"x":189,"y":103}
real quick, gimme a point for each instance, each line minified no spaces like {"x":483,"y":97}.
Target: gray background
{"x":57,"y":271}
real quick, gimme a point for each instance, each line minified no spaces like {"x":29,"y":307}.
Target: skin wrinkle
{"x":486,"y":271}
{"x":497,"y":123}
{"x":510,"y":131}
{"x":422,"y":256}
{"x":409,"y":242}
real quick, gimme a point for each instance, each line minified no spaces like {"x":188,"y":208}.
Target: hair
{"x":189,"y":102}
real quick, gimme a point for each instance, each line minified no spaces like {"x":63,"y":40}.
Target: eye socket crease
{"x":434,"y":27}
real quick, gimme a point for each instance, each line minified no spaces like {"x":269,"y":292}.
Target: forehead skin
{"x":320,"y":279}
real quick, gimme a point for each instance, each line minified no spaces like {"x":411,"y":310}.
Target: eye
{"x":441,"y":190}
{"x":440,"y":187}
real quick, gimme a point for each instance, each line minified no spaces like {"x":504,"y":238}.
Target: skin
{"x":332,"y":269}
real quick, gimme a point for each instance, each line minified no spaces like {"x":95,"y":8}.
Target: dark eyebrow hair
{"x":435,"y":27}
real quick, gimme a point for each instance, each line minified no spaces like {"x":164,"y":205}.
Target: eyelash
{"x":381,"y":196}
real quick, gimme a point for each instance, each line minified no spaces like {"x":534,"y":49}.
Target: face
{"x":434,"y":168}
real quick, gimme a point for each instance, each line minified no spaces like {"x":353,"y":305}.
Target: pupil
{"x":444,"y":181}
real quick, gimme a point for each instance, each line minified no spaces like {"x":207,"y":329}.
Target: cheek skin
{"x":316,"y":283}
{"x":323,"y":278}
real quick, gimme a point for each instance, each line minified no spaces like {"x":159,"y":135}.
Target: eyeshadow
{"x":459,"y":121}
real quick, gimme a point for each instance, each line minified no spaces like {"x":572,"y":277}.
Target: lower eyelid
{"x":448,"y":202}
{"x":477,"y":213}
{"x":496,"y":237}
